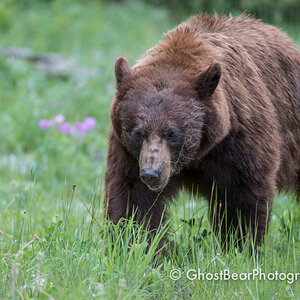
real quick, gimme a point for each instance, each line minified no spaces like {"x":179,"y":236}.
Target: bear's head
{"x":160,"y":117}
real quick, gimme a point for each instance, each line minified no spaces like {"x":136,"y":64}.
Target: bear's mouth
{"x":155,"y":189}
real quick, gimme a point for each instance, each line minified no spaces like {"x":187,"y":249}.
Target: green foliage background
{"x":277,"y":11}
{"x":76,"y":256}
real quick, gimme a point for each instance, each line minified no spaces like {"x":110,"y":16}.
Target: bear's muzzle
{"x":155,"y":163}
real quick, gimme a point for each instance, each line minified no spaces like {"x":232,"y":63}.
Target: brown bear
{"x":213,"y":108}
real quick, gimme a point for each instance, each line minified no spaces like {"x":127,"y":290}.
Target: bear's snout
{"x":155,"y":163}
{"x":150,"y":176}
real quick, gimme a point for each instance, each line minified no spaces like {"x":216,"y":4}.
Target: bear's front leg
{"x":244,"y":210}
{"x":121,"y":171}
{"x":255,"y":205}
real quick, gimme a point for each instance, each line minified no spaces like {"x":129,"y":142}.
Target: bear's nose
{"x":150,"y":176}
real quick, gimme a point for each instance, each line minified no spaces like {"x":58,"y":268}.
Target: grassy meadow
{"x":54,"y":241}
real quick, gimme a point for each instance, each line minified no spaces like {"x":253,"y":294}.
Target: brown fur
{"x":219,"y":101}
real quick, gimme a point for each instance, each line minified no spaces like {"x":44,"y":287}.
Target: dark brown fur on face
{"x":216,"y":103}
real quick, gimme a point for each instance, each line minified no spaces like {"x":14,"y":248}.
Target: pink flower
{"x":58,"y":119}
{"x":66,"y":128}
{"x":89,"y":123}
{"x":80,"y":128}
{"x":44,"y":124}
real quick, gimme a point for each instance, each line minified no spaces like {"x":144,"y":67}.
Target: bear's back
{"x":249,"y":47}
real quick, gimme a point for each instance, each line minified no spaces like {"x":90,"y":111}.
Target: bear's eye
{"x":174,"y":137}
{"x":137,"y":136}
{"x":171,"y":134}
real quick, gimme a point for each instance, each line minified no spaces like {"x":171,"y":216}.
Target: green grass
{"x":77,"y":256}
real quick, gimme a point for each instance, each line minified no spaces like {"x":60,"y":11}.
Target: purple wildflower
{"x":59,"y":119}
{"x":66,"y":128}
{"x":89,"y":123}
{"x":44,"y":124}
{"x":80,"y":128}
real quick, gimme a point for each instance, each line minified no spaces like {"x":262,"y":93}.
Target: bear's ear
{"x":207,"y":81}
{"x":122,"y":70}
